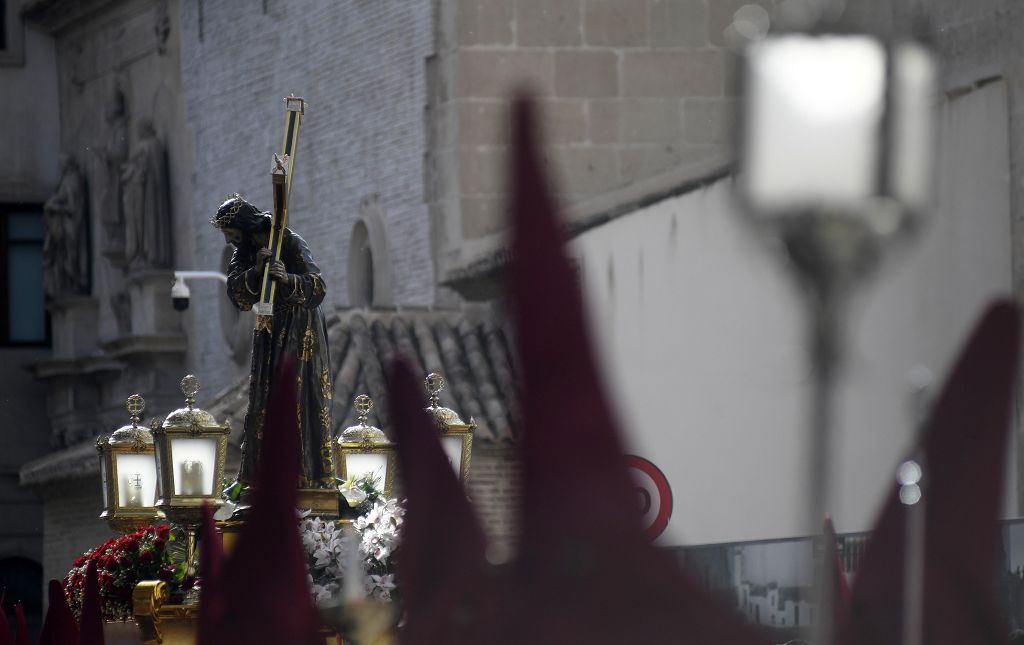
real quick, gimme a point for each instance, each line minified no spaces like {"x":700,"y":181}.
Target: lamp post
{"x":128,"y":473}
{"x":363,"y":450}
{"x":835,"y":155}
{"x":190,"y":451}
{"x":456,"y":435}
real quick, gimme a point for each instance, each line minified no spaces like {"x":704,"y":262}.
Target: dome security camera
{"x":180,"y":293}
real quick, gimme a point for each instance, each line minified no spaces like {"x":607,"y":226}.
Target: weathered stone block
{"x":484,"y":73}
{"x":633,"y":121}
{"x":485,"y":22}
{"x":709,"y":121}
{"x":603,"y":120}
{"x":586,"y":73}
{"x":549,"y":23}
{"x":483,"y":122}
{"x":614,"y":23}
{"x":482,"y":171}
{"x":650,"y":121}
{"x":678,"y":23}
{"x":481,"y":216}
{"x":564,"y":120}
{"x":642,"y":162}
{"x":669,"y":74}
{"x":585,"y":170}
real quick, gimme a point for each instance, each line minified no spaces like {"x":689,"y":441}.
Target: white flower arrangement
{"x":329,"y":557}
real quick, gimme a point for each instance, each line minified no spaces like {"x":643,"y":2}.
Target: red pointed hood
{"x":841,"y":591}
{"x":5,"y":628}
{"x":21,"y":627}
{"x":265,"y":595}
{"x":211,"y":563}
{"x":91,"y":625}
{"x":587,"y":571}
{"x":443,"y":571}
{"x":59,"y":623}
{"x":964,"y":450}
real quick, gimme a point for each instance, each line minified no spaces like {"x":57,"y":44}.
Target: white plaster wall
{"x":701,"y":339}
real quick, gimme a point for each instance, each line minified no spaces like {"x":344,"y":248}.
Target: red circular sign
{"x":654,"y":492}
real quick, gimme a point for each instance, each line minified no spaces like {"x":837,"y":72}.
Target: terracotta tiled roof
{"x":467,"y":347}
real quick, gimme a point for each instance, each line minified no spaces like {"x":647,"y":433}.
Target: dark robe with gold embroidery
{"x":299,"y":331}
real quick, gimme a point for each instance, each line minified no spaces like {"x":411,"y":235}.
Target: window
{"x":12,"y":35}
{"x":360,"y":267}
{"x":23,"y":317}
{"x":3,"y":24}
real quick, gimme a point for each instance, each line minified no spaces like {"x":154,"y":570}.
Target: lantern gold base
{"x":125,"y":522}
{"x":161,"y":623}
{"x":229,"y":532}
{"x":320,"y":502}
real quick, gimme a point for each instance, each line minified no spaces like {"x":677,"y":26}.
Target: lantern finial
{"x":135,"y":405}
{"x":363,"y":405}
{"x":434,"y":383}
{"x":190,"y":387}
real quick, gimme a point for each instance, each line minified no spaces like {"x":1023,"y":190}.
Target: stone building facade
{"x":636,"y":98}
{"x":30,"y":175}
{"x":113,"y":332}
{"x":399,"y":184}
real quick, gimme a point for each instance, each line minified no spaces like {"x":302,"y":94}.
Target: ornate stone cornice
{"x":54,"y":15}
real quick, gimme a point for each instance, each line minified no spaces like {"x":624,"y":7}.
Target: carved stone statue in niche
{"x":66,"y":245}
{"x":162,"y":27}
{"x":121,"y":306}
{"x":146,"y":204}
{"x":115,"y":155}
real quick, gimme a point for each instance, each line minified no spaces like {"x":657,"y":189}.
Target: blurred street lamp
{"x":128,"y":472}
{"x":836,"y":150}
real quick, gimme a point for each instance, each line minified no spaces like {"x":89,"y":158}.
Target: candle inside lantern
{"x":191,"y":477}
{"x":133,"y":491}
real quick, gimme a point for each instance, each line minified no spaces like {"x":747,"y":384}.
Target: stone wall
{"x":360,"y":65}
{"x":628,"y":91}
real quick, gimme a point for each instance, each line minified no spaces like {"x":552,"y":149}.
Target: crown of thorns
{"x":225,"y":215}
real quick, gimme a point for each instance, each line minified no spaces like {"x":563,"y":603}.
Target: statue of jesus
{"x":299,"y":330}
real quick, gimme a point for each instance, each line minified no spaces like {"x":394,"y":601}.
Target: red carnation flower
{"x":80,"y":561}
{"x":146,"y":557}
{"x":163,"y":532}
{"x":158,"y":544}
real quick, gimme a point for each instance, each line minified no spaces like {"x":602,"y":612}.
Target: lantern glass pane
{"x":193,"y":462}
{"x":452,"y":445}
{"x":136,"y":480}
{"x":812,"y":122}
{"x":358,"y":464}
{"x":913,"y":138}
{"x":105,"y":478}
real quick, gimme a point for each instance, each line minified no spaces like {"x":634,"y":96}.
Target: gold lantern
{"x":128,"y":472}
{"x":364,"y":450}
{"x":456,"y":435}
{"x":190,"y":451}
